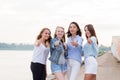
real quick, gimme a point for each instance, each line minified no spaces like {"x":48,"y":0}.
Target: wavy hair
{"x":40,"y":35}
{"x":91,"y":30}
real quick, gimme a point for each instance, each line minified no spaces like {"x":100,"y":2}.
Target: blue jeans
{"x":58,"y":67}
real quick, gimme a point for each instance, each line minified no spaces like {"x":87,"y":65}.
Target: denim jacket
{"x":55,"y":52}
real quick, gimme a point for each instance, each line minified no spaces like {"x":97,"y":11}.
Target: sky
{"x":22,"y":20}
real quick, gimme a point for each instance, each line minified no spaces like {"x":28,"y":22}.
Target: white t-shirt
{"x":40,"y":54}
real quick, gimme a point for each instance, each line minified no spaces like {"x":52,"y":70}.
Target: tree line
{"x":21,"y":46}
{"x":13,"y":46}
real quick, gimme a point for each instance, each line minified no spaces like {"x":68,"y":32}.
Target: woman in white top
{"x":40,"y":54}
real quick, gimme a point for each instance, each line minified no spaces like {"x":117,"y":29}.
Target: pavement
{"x":108,"y":69}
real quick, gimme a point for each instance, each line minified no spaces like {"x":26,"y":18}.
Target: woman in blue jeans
{"x":57,"y":58}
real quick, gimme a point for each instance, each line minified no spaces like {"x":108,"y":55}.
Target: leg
{"x":74,"y":69}
{"x":65,"y":74}
{"x":58,"y":70}
{"x":38,"y":71}
{"x":43,"y":73}
{"x":59,"y":76}
{"x":90,"y":77}
{"x":93,"y":77}
{"x":69,"y":68}
{"x":35,"y":72}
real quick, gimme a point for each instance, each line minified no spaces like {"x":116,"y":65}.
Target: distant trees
{"x":103,"y":49}
{"x":13,"y":46}
{"x":21,"y":46}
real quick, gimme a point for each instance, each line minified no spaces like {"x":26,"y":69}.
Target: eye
{"x":47,"y":33}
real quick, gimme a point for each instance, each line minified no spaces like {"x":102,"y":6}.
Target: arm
{"x":94,"y":45}
{"x":37,"y":42}
{"x":54,"y":43}
{"x":91,"y":40}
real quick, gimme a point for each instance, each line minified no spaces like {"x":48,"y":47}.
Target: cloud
{"x":18,"y":16}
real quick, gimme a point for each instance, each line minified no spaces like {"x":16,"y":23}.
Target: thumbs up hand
{"x":74,"y":43}
{"x":89,"y":40}
{"x":57,"y":43}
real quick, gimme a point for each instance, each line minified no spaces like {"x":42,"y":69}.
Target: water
{"x":15,"y":65}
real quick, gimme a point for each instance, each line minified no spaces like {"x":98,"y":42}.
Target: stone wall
{"x":115,"y":46}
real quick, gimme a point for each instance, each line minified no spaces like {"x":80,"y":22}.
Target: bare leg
{"x":65,"y":75}
{"x":59,"y":76}
{"x":90,"y":77}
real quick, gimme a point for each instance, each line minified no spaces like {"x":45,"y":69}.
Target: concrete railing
{"x":115,"y":46}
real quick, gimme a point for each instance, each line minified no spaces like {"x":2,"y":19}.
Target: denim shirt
{"x":52,"y":43}
{"x":55,"y":52}
{"x":91,"y":49}
{"x":73,"y":51}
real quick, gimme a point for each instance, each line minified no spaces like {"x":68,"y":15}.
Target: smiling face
{"x":45,"y":34}
{"x":59,"y":32}
{"x":87,"y":32}
{"x":73,"y":29}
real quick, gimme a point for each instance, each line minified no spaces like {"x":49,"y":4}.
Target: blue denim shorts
{"x":58,"y":67}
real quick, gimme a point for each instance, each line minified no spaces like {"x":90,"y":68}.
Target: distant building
{"x":115,"y":47}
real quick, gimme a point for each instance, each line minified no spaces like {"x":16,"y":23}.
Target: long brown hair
{"x":63,"y":38}
{"x":40,"y":35}
{"x":91,"y":30}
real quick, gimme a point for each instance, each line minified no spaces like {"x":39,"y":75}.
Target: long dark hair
{"x":91,"y":30}
{"x":78,"y":32}
{"x":40,"y":35}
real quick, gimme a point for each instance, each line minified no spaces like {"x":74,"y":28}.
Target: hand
{"x":74,"y":43}
{"x":89,"y":40}
{"x":57,"y":43}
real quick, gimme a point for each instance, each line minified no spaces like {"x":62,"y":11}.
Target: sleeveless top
{"x":40,"y":54}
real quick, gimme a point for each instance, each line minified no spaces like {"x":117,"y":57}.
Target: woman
{"x":40,"y":54}
{"x":57,"y":58}
{"x":74,"y":46}
{"x":90,"y":53}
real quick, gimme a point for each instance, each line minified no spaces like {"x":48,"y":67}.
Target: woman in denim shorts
{"x":57,"y":58}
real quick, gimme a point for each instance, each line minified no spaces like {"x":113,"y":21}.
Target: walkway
{"x":108,"y":69}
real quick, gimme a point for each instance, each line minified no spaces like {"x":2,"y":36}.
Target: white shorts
{"x":90,"y":65}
